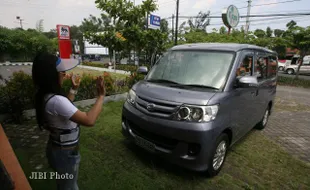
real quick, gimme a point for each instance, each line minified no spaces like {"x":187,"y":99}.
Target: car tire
{"x":290,"y":71}
{"x":262,"y":124}
{"x":281,"y":68}
{"x":219,"y":151}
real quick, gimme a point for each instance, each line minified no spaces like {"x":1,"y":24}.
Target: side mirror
{"x":142,"y":70}
{"x":248,"y":82}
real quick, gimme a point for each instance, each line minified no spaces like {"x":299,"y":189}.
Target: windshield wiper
{"x":200,"y":86}
{"x":162,"y":81}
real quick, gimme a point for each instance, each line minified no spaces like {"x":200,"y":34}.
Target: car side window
{"x":261,"y":63}
{"x":245,"y":66}
{"x":306,"y":63}
{"x":272,"y":66}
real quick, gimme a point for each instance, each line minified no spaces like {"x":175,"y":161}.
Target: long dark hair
{"x":46,"y":80}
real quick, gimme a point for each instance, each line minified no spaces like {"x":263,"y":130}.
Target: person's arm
{"x":88,"y":118}
{"x":76,"y":81}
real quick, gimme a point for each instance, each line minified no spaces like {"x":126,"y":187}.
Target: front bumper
{"x":186,"y":144}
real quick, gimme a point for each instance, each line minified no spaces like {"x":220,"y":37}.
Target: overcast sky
{"x":71,"y":12}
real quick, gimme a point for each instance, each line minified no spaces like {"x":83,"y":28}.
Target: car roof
{"x":234,"y":47}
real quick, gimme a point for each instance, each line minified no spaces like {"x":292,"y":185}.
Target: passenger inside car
{"x":245,"y":67}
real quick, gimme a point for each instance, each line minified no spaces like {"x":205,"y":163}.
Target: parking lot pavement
{"x":7,"y":71}
{"x":292,"y":132}
{"x":289,"y":125}
{"x":299,"y":95}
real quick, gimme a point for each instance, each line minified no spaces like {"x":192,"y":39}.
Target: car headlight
{"x":131,"y":97}
{"x":196,"y":113}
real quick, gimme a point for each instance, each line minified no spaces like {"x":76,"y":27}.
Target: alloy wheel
{"x":219,"y":156}
{"x":290,"y":71}
{"x":265,"y":119}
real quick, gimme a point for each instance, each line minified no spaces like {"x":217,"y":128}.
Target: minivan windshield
{"x":206,"y":69}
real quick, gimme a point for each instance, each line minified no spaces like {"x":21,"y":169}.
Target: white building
{"x":96,"y":49}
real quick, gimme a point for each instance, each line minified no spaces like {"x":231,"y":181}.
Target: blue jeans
{"x":65,"y":162}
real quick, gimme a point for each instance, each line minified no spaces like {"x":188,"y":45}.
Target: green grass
{"x":108,"y":162}
{"x":287,"y":81}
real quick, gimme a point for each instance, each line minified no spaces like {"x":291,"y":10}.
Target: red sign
{"x":64,"y":42}
{"x":63,"y":32}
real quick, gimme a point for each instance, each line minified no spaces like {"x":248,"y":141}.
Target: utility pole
{"x":176,"y":24}
{"x":172,"y":26}
{"x":248,"y":17}
{"x":20,"y":21}
{"x":114,"y":53}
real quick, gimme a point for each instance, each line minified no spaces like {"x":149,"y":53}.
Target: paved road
{"x":289,"y":125}
{"x":7,"y":71}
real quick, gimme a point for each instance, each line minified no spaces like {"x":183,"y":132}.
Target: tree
{"x":260,"y":33}
{"x":164,"y":26}
{"x":39,"y":25}
{"x":76,"y":34}
{"x":278,"y":45}
{"x":300,"y":38}
{"x":201,"y":22}
{"x":51,"y":34}
{"x":23,"y":45}
{"x":291,"y":24}
{"x":129,"y":20}
{"x":94,"y":24}
{"x":269,"y":32}
{"x":223,"y":30}
{"x":198,"y":23}
{"x":5,"y":42}
{"x":278,"y":32}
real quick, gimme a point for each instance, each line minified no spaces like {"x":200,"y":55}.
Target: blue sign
{"x":154,"y":22}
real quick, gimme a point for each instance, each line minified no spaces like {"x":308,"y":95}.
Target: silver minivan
{"x":198,"y":100}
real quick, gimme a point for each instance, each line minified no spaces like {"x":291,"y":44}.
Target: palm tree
{"x":198,"y":23}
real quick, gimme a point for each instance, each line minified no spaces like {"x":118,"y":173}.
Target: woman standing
{"x":56,"y":113}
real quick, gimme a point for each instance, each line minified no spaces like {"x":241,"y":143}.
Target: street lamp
{"x":20,"y":21}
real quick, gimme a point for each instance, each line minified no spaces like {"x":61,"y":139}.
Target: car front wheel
{"x":218,"y":155}
{"x":281,"y":68}
{"x":262,"y":124}
{"x":290,"y":71}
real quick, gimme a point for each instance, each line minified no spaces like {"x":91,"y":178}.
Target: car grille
{"x":160,"y":141}
{"x":162,"y":109}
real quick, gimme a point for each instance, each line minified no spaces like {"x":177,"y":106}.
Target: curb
{"x":105,"y":69}
{"x":15,"y":64}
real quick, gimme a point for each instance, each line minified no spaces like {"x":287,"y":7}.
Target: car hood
{"x":165,"y":93}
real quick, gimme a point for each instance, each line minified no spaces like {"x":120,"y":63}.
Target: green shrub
{"x":105,"y":65}
{"x":286,"y":81}
{"x":17,"y":95}
{"x":134,"y":78}
{"x":87,"y":89}
{"x":130,"y":68}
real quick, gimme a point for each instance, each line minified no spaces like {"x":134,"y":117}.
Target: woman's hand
{"x":76,"y":81}
{"x":100,"y":86}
